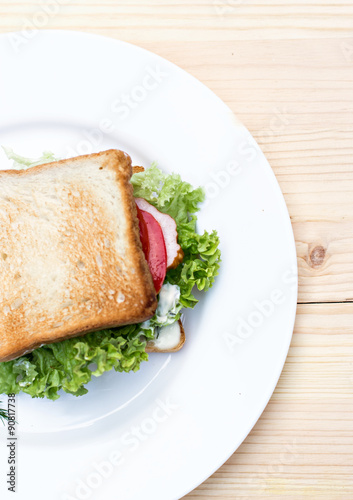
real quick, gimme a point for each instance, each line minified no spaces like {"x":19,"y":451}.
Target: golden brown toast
{"x":71,"y":259}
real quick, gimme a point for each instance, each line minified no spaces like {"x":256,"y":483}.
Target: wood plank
{"x":210,"y":20}
{"x":302,"y":446}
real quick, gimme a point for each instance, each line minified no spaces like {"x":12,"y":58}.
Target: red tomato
{"x":153,"y":245}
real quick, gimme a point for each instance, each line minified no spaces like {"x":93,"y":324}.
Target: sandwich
{"x":98,"y":259}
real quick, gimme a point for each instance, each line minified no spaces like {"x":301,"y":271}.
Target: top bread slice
{"x":71,"y":259}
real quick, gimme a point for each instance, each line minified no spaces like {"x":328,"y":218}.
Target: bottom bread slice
{"x":151,"y":346}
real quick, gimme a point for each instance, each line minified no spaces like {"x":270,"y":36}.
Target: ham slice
{"x":174,"y":252}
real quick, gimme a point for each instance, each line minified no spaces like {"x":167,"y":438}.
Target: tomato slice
{"x":153,"y":245}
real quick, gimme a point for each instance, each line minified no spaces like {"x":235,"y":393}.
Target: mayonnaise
{"x":169,"y":336}
{"x":168,"y":300}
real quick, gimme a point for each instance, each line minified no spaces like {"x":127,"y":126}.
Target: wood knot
{"x":317,"y":256}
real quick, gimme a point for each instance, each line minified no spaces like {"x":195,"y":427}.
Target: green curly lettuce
{"x":70,"y":364}
{"x":22,"y":163}
{"x":3,"y":415}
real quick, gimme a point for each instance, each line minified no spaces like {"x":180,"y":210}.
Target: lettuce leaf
{"x":3,"y":414}
{"x":70,"y":364}
{"x":21,"y":162}
{"x":168,"y":193}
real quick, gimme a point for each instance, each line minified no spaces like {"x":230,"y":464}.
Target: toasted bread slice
{"x":151,"y":347}
{"x":71,"y":259}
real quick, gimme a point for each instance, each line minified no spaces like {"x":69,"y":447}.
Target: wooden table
{"x":286,"y":70}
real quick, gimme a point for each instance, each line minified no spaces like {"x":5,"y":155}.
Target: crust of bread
{"x":137,"y":169}
{"x":152,"y":348}
{"x":65,"y":273}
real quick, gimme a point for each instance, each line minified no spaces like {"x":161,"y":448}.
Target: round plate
{"x":158,"y":433}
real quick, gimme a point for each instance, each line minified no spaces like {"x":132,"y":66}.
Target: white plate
{"x":158,"y":433}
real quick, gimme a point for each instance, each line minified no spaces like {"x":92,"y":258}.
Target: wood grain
{"x":286,"y":69}
{"x":201,"y":20}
